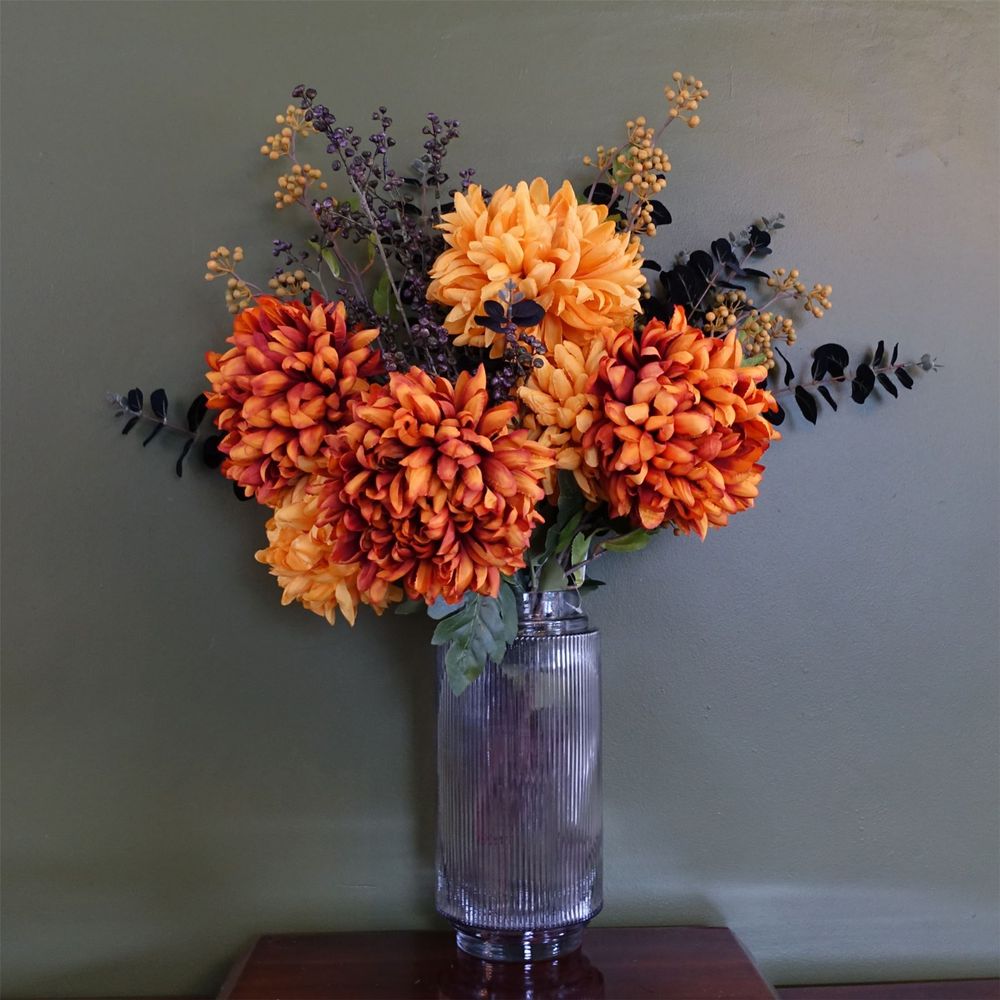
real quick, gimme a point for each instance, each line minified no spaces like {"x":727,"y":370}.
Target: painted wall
{"x":801,"y":713}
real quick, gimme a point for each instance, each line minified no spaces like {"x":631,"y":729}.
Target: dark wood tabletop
{"x":951,"y":989}
{"x":665,"y":963}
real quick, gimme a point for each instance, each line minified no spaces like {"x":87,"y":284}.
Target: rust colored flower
{"x":564,"y":255}
{"x":558,"y":410}
{"x":430,"y":489}
{"x":680,"y":430}
{"x":283,"y":387}
{"x":299,"y":554}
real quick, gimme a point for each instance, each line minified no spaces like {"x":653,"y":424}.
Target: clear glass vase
{"x":519,"y":790}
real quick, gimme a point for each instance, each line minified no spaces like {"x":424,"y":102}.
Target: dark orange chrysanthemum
{"x":680,"y":428}
{"x":283,"y":387}
{"x":431,"y":489}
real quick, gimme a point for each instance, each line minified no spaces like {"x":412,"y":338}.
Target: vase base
{"x":518,"y":946}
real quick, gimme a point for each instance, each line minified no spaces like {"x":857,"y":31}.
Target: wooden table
{"x":668,"y":963}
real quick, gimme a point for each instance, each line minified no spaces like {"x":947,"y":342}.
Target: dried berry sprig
{"x":221,"y":263}
{"x":395,"y":218}
{"x":628,"y":176}
{"x":390,"y":213}
{"x":296,"y":182}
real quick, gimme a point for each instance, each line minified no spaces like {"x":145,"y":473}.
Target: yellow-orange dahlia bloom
{"x":680,"y":430}
{"x":299,"y":554}
{"x":283,"y":387}
{"x":563,"y":255}
{"x":431,"y":489}
{"x":559,"y":410}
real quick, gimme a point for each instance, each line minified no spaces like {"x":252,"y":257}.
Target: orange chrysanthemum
{"x":283,"y":387}
{"x":431,"y":489}
{"x":559,"y":410}
{"x":563,"y":255}
{"x":299,"y":554}
{"x":681,"y":428}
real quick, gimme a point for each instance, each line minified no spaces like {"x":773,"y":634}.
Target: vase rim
{"x":548,"y":607}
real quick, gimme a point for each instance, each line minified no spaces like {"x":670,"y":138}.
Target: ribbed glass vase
{"x":519,"y":789}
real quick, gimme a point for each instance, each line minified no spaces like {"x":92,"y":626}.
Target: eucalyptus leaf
{"x":158,"y":403}
{"x":179,"y":467}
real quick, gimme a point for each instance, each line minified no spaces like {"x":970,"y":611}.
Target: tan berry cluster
{"x":684,"y":96}
{"x":785,"y":282}
{"x":760,"y":329}
{"x":637,"y":167}
{"x":289,"y":284}
{"x":818,"y":300}
{"x":757,"y":329}
{"x":293,"y":185}
{"x":725,"y":312}
{"x":222,"y":263}
{"x":605,"y":159}
{"x":293,"y":122}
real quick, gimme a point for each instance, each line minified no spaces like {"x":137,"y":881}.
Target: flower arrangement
{"x":448,"y":396}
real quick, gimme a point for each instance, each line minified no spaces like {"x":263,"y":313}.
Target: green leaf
{"x":568,"y":532}
{"x":552,"y":577}
{"x":331,"y":261}
{"x":579,"y":551}
{"x":461,"y":664}
{"x":479,"y":631}
{"x":491,"y":628}
{"x":372,"y":247}
{"x":570,"y":496}
{"x":451,"y":626}
{"x":632,"y":542}
{"x":380,"y":297}
{"x":757,"y":359}
{"x":508,"y":610}
{"x":571,"y":504}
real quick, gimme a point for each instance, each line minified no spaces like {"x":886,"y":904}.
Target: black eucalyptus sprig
{"x":694,"y":275}
{"x":830,"y":368}
{"x":510,"y":316}
{"x":135,"y":410}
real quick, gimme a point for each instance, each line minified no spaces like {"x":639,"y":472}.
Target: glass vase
{"x":519,"y":789}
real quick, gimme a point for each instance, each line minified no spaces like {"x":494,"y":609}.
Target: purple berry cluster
{"x":391,"y":219}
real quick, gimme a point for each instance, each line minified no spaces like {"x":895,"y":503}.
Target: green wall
{"x":800,"y":713}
